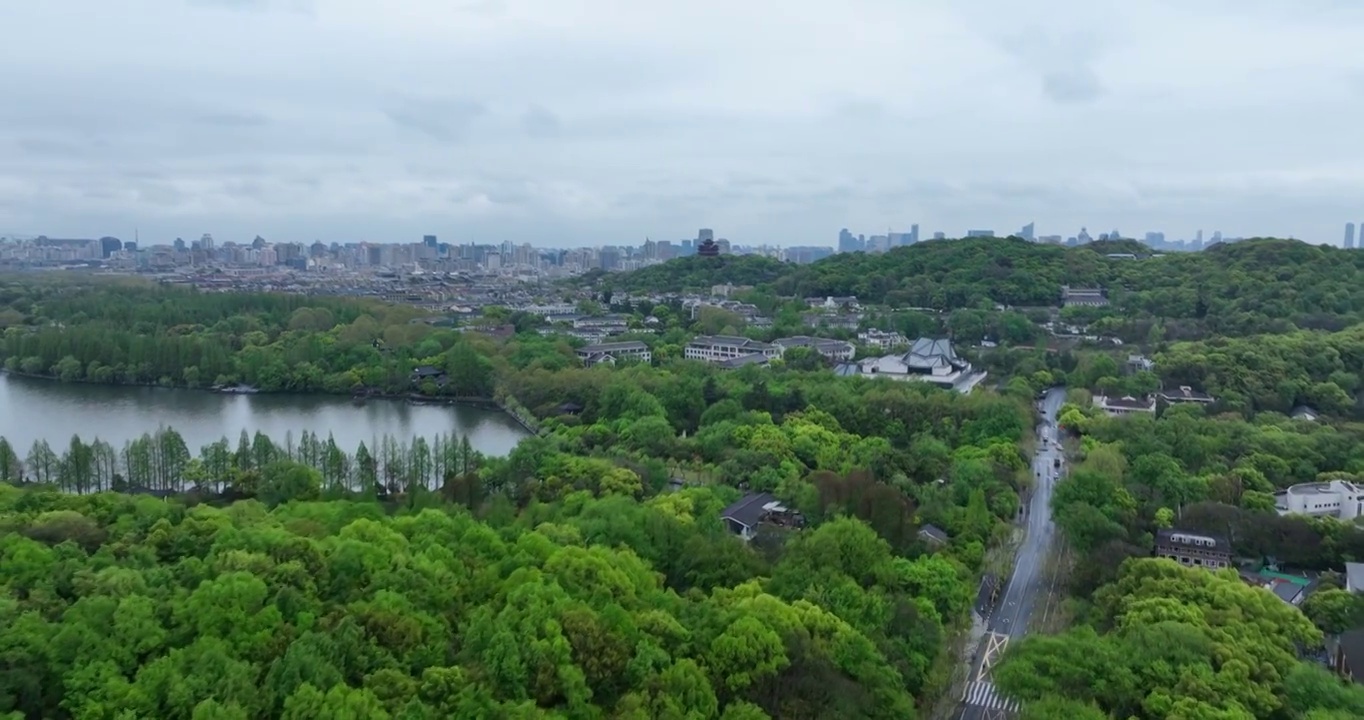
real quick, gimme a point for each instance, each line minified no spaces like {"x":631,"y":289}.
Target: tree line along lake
{"x":38,"y":409}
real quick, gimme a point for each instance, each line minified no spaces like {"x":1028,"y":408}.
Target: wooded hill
{"x":1258,"y":285}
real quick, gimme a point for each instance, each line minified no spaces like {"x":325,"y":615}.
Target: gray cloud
{"x":540,"y":122}
{"x":232,"y":119}
{"x":1079,"y":85}
{"x":767,"y":121}
{"x":305,"y":7}
{"x":446,"y":120}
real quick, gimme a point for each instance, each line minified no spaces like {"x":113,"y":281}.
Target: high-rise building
{"x":1349,"y":236}
{"x":429,"y":240}
{"x":847,"y":242}
{"x":914,"y":233}
{"x":1028,"y":233}
{"x":980,"y":233}
{"x":704,"y":234}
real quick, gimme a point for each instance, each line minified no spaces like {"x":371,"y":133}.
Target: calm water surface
{"x":31,"y":409}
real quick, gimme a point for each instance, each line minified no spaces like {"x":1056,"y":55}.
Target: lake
{"x":32,"y":409}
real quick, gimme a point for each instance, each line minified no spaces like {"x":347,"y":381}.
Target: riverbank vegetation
{"x":590,"y":573}
{"x":333,"y":582}
{"x":850,"y":617}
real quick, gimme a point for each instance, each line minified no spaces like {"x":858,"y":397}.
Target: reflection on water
{"x":31,"y":409}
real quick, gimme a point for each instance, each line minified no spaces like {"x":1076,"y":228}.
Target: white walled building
{"x":882,"y":340}
{"x":834,"y":349}
{"x":611,"y":352}
{"x":1126,"y":405}
{"x":718,"y":348}
{"x":1339,"y":499}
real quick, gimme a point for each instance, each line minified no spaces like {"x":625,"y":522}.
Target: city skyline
{"x":779,"y":126}
{"x":905,"y":234}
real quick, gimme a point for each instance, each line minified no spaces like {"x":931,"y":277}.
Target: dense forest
{"x":138,"y":333}
{"x":128,"y":606}
{"x":1248,"y":287}
{"x":588,"y":575}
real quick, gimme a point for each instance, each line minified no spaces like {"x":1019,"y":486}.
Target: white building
{"x":1339,"y":499}
{"x":1126,"y":405}
{"x":834,"y":349}
{"x":882,"y":340}
{"x":609,"y":353}
{"x":718,"y":348}
{"x":928,"y":360}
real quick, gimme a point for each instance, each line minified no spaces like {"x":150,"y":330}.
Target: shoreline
{"x":414,"y":398}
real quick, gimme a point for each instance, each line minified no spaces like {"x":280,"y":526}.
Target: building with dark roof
{"x":609,"y":353}
{"x":1305,"y":413}
{"x":1193,"y":549}
{"x":745,"y":516}
{"x":1186,"y":394}
{"x":1083,"y":297}
{"x":1126,"y":405}
{"x":718,"y":348}
{"x":832,"y":349}
{"x":927,"y":360}
{"x":1347,"y":655}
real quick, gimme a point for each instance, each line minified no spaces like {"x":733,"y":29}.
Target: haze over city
{"x":577,"y":122}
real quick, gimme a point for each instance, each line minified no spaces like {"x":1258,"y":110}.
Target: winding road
{"x":1009,"y":617}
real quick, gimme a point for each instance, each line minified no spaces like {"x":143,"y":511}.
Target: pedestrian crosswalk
{"x":982,"y":694}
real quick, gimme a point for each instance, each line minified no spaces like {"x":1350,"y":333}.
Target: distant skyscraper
{"x":1349,"y":236}
{"x":1028,"y":233}
{"x":939,"y":236}
{"x":429,"y":240}
{"x":980,"y":233}
{"x":914,"y":233}
{"x":704,"y":234}
{"x":847,"y":242}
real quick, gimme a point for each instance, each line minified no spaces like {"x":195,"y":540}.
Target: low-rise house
{"x":833,"y":349}
{"x":429,"y":373}
{"x":1083,"y":297}
{"x":1347,"y":655}
{"x":1305,"y":413}
{"x":718,"y":348}
{"x":1193,"y":549}
{"x":1340,"y":499}
{"x":882,"y":340}
{"x":1292,"y":589}
{"x":833,"y":304}
{"x":757,"y":359}
{"x":933,"y":535}
{"x":839,"y":321}
{"x":1354,"y":577}
{"x":744,"y":517}
{"x":1138,"y":363}
{"x":1125,"y":405}
{"x":1186,"y":394}
{"x":609,"y":353}
{"x":606,"y":325}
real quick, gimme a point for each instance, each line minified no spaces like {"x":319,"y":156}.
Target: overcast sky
{"x":565,"y":122}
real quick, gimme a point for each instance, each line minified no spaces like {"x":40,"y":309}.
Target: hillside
{"x":1257,"y":285}
{"x":700,"y":273}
